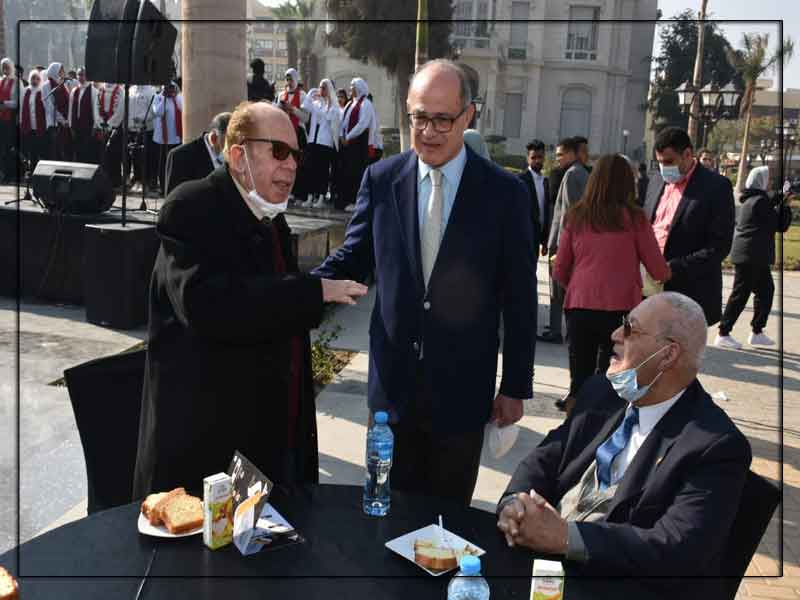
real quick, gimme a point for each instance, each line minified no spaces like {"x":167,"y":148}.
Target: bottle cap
{"x":381,"y":418}
{"x":470,"y":565}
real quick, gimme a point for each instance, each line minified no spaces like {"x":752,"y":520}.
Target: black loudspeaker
{"x":109,"y":40}
{"x":153,"y":44}
{"x":72,"y":188}
{"x":129,"y":42}
{"x":117,"y":266}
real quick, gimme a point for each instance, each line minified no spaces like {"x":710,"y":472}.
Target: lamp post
{"x":716,"y":103}
{"x":625,"y":134}
{"x":765,"y":148}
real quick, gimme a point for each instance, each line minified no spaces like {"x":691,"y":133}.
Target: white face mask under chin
{"x":269,"y":209}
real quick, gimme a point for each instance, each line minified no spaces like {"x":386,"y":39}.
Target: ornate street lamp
{"x":716,"y":103}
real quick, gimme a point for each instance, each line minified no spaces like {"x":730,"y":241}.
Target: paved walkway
{"x":53,"y":488}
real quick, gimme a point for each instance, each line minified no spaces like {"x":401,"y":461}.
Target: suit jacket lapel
{"x":576,"y":467}
{"x":406,"y":202}
{"x":655,"y":447}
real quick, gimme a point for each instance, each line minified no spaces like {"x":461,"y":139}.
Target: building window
{"x":518,"y":47}
{"x":462,"y":10}
{"x":576,"y":111}
{"x":512,"y":120}
{"x":582,"y":33}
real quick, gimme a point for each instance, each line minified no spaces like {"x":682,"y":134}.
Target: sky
{"x":788,"y":10}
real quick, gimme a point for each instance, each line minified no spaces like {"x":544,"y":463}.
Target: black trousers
{"x":749,"y":279}
{"x":429,"y":462}
{"x":351,"y":169}
{"x":8,"y":148}
{"x":590,"y":343}
{"x":317,"y":160}
{"x":86,"y":146}
{"x":112,"y":157}
{"x":33,"y":146}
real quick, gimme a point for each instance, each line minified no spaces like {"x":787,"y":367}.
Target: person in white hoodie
{"x":375,"y":149}
{"x":323,"y":141}
{"x":56,"y":107}
{"x":9,"y":100}
{"x":354,"y":143}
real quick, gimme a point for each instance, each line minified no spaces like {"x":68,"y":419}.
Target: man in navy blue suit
{"x":646,"y":475}
{"x":449,"y":237}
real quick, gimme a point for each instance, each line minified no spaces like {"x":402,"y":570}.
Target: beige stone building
{"x":570,"y":69}
{"x":266,"y":39}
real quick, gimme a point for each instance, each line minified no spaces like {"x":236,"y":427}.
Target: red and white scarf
{"x":41,"y":122}
{"x":178,"y":121}
{"x":107,"y":114}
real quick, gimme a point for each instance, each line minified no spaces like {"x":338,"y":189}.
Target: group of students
{"x":340,"y":136}
{"x":597,"y":226}
{"x":63,"y":116}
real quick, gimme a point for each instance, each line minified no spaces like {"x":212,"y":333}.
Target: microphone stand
{"x":143,"y":133}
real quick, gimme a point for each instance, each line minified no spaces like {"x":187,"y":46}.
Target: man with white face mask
{"x":645,"y":476}
{"x":228,"y":361}
{"x":691,"y":209}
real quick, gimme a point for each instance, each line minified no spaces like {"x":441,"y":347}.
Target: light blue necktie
{"x":609,"y":449}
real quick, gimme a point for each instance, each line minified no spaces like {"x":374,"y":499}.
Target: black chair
{"x":759,"y":500}
{"x":106,"y":397}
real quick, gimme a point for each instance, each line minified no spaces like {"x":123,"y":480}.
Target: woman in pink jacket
{"x":606,"y":235}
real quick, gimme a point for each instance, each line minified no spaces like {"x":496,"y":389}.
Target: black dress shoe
{"x":551,"y":338}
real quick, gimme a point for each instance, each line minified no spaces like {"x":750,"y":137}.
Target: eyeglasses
{"x":280,"y":150}
{"x":441,"y":124}
{"x":628,"y":331}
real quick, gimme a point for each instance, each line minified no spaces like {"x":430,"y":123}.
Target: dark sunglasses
{"x":627,"y":330}
{"x":280,"y":150}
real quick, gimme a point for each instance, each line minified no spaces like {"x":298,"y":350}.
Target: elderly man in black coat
{"x":228,"y":360}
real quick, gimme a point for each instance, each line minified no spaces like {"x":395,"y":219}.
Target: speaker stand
{"x":28,"y":197}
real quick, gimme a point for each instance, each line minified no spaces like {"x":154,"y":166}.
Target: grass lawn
{"x":791,"y":248}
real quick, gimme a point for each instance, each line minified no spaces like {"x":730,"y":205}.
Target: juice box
{"x":217,"y":510}
{"x":548,"y":580}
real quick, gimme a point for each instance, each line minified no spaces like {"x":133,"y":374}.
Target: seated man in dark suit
{"x":645,"y":476}
{"x":196,"y":159}
{"x":693,"y":217}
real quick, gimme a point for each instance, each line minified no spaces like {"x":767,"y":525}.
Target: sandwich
{"x":437,"y":558}
{"x":154,"y":504}
{"x":182,"y":513}
{"x":9,"y":590}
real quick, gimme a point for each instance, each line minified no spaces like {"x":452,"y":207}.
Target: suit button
{"x":415,"y":345}
{"x":426,"y":305}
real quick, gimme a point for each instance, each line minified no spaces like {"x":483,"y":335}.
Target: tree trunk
{"x":403,"y":76}
{"x":742,"y":175}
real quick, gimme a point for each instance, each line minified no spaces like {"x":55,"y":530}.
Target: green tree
{"x":752,"y":62}
{"x":675,"y":65}
{"x":390,"y":43}
{"x":300,"y":37}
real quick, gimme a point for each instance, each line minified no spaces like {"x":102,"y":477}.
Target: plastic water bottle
{"x":468,"y":583}
{"x":380,"y":447}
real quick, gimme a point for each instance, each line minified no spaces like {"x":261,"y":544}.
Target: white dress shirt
{"x":375,"y":136}
{"x":326,"y":117}
{"x":538,"y":183}
{"x":215,"y":160}
{"x":649,"y":416}
{"x":104,"y":102}
{"x":161,"y":107}
{"x":139,"y":100}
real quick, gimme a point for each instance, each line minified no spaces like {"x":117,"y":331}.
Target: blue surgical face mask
{"x":670,"y":173}
{"x":626,"y":385}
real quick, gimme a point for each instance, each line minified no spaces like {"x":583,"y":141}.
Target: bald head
{"x":257,"y":120}
{"x":683,"y":320}
{"x":443,"y":72}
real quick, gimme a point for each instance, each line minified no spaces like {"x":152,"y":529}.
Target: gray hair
{"x":686,"y":324}
{"x":466,"y":89}
{"x":220,"y":124}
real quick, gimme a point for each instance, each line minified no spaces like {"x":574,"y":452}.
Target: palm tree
{"x":300,"y":36}
{"x":752,"y":62}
